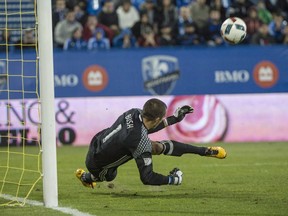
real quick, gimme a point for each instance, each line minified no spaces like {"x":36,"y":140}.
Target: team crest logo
{"x":3,"y":75}
{"x":160,"y":74}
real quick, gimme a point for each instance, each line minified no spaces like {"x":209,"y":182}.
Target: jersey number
{"x":117,"y":129}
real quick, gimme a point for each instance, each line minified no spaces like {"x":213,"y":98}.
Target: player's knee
{"x":110,"y":176}
{"x":157,"y":148}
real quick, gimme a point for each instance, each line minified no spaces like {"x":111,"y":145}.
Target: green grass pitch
{"x":252,"y":180}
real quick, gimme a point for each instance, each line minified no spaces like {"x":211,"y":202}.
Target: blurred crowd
{"x":105,"y":24}
{"x":93,"y":24}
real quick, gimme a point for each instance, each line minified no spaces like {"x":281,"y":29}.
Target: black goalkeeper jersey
{"x":126,"y":139}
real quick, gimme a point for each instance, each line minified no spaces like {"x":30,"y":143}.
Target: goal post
{"x":48,"y":133}
{"x":27,"y":107}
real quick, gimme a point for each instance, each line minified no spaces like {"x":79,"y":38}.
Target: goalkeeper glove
{"x":180,"y":112}
{"x":175,"y":177}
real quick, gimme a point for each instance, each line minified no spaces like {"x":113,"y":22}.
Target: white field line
{"x":65,"y":210}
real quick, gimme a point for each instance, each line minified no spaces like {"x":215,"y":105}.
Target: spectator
{"x":139,"y":26}
{"x":143,"y":31}
{"x":200,"y":15}
{"x":167,"y":14}
{"x":99,"y":42}
{"x":166,"y":36}
{"x":148,"y":38}
{"x":64,"y":29}
{"x":271,"y":5}
{"x":264,"y":15}
{"x":5,"y":41}
{"x":190,"y":36}
{"x":183,"y":19}
{"x":76,"y":42}
{"x":275,"y":5}
{"x":90,"y":28}
{"x":58,"y":12}
{"x":239,"y":8}
{"x":149,"y":8}
{"x":80,"y":13}
{"x":285,"y":35}
{"x":214,"y":26}
{"x":27,"y":41}
{"x":217,"y":4}
{"x":125,"y":39}
{"x":283,"y":5}
{"x":109,"y":17}
{"x":276,"y":27}
{"x":127,"y":15}
{"x":262,"y":37}
{"x":252,"y":22}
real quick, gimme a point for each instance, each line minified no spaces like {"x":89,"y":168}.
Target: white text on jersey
{"x":129,"y":121}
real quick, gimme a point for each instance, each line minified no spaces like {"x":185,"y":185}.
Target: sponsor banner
{"x":177,"y":71}
{"x":222,"y":70}
{"x":228,"y":118}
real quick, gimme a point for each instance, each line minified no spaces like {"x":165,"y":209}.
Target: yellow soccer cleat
{"x":79,"y":174}
{"x":217,"y":152}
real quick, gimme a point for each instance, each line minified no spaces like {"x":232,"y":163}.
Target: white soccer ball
{"x":233,"y":30}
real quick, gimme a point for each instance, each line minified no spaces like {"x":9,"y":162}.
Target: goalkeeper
{"x":128,"y":139}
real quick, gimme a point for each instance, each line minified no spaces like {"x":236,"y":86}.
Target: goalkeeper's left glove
{"x":180,"y":112}
{"x":175,"y":177}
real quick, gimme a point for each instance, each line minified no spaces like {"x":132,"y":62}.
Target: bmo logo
{"x":95,"y":78}
{"x":235,"y":76}
{"x":66,"y":80}
{"x":265,"y":74}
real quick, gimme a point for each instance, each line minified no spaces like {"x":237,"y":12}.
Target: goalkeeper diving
{"x":128,"y":139}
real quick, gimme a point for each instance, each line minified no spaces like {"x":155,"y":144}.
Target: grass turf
{"x":252,"y":180}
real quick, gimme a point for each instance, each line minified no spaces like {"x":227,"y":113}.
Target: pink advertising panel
{"x":228,"y":118}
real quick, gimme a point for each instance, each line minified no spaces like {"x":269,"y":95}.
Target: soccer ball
{"x":233,"y":30}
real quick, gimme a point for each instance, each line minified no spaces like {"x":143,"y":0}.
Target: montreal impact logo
{"x":160,"y":73}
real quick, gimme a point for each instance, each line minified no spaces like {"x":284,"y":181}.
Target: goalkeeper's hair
{"x":153,"y":109}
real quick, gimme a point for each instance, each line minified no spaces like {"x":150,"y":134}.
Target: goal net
{"x":20,"y":116}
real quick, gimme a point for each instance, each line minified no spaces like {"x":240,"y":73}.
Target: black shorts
{"x":100,"y":173}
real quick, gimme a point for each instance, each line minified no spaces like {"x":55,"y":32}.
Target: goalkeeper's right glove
{"x":175,"y":177}
{"x":180,"y":112}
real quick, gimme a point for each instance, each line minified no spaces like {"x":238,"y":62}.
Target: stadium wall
{"x":239,"y":94}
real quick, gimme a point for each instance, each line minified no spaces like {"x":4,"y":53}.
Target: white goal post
{"x":27,"y":112}
{"x":48,"y":133}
